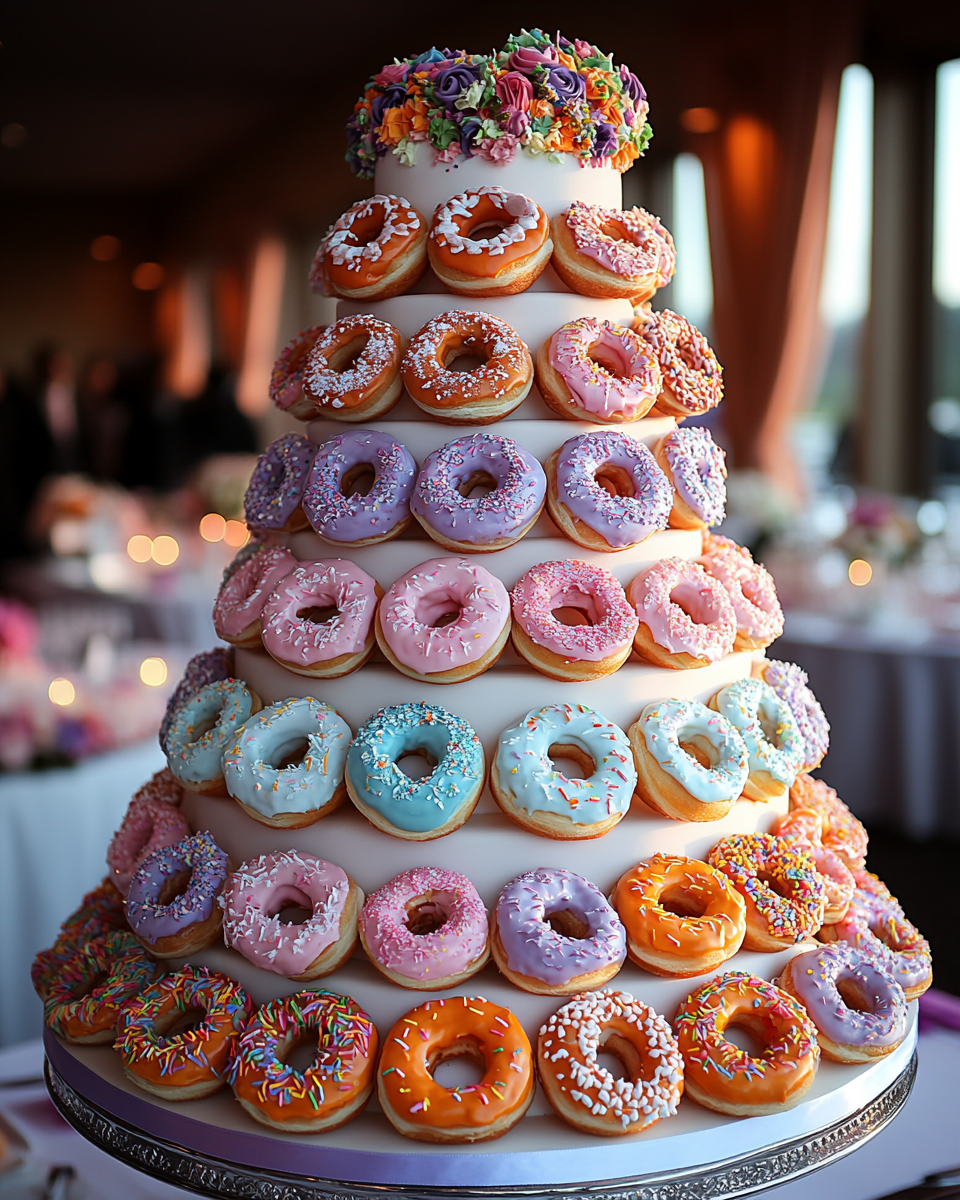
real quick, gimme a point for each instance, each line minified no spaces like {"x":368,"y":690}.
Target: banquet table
{"x":54,"y":830}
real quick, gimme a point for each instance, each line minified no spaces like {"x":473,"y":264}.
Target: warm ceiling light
{"x":860,"y":572}
{"x":140,"y":548}
{"x":212,"y":527}
{"x":236,"y":533}
{"x":700,"y":120}
{"x":105,"y":248}
{"x":153,"y":672}
{"x":62,"y":692}
{"x":166,"y":550}
{"x":148,"y":276}
{"x":13,"y":136}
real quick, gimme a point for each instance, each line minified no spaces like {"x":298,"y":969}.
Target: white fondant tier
{"x":554,"y":185}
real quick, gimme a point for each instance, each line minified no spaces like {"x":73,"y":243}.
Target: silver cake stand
{"x":155,"y":1152}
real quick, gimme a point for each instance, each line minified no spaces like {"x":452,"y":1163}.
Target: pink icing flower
{"x":450,"y":155}
{"x":584,"y":49}
{"x":391,"y":73}
{"x":501,"y":149}
{"x":515,"y":91}
{"x":527,"y":58}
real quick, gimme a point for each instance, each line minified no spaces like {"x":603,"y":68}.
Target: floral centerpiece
{"x":536,"y":95}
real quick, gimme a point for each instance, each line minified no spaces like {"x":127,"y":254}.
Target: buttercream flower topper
{"x":535,"y":95}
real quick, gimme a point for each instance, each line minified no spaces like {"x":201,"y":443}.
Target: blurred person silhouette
{"x":103,"y":420}
{"x":55,"y":399}
{"x":213,"y":424}
{"x":24,"y":459}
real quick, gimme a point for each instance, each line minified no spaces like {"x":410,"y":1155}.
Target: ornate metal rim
{"x":210,"y":1176}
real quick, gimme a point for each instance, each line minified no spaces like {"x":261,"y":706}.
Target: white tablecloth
{"x":54,"y":830}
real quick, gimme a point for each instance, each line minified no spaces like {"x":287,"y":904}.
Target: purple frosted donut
{"x":343,"y":516}
{"x":159,"y":925}
{"x":527,"y":942}
{"x":275,"y":492}
{"x":611,"y":484}
{"x":443,"y":505}
{"x":790,"y":684}
{"x":285,"y":382}
{"x":697,"y":468}
{"x":210,"y":666}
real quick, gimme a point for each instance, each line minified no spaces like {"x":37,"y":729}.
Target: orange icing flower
{"x":561,"y":138}
{"x":600,"y":84}
{"x":624,"y":156}
{"x":395,"y":125}
{"x":416,"y":110}
{"x":540,"y":108}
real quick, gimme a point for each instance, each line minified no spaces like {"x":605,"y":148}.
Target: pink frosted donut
{"x":751,"y":590}
{"x":162,"y":785}
{"x":319,"y":619}
{"x":692,"y":379}
{"x":242,"y":595}
{"x":286,"y":381}
{"x":147,"y":825}
{"x":804,"y":827}
{"x":256,"y":894}
{"x":685,"y":616}
{"x":600,"y":640}
{"x":426,"y":929}
{"x":597,"y":371}
{"x":409,"y":629}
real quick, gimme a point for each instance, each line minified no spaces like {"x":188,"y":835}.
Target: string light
{"x":153,"y":672}
{"x":62,"y":692}
{"x":236,"y":534}
{"x":860,"y":572}
{"x":166,"y":550}
{"x":140,"y":548}
{"x":212,"y":527}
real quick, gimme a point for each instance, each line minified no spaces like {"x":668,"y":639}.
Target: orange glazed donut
{"x":352,"y":372}
{"x":692,"y":379}
{"x":841,"y":832}
{"x":475,"y":397}
{"x":682,"y":917}
{"x":489,"y":242}
{"x":376,"y":250}
{"x":605,"y":252}
{"x":461,"y":1027}
{"x":721,"y":1076}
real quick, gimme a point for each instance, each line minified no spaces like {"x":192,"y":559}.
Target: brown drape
{"x":775,"y":83}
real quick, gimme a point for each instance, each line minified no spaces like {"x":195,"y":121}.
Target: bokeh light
{"x":62,"y":692}
{"x":105,"y":248}
{"x":236,"y":533}
{"x":140,"y":548}
{"x":13,"y":135}
{"x":166,"y":550}
{"x":860,"y":572}
{"x":212,"y":527}
{"x":153,"y":672}
{"x":700,"y":120}
{"x":148,"y":276}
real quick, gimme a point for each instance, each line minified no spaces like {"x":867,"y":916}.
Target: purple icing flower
{"x":633,"y":87}
{"x":568,"y":86}
{"x":451,"y":81}
{"x":605,"y":142}
{"x":393,"y":97}
{"x":469,"y":128}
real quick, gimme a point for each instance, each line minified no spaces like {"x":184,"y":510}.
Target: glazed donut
{"x":376,"y":250}
{"x":341,"y":514}
{"x":696,"y":468}
{"x":477,"y":397}
{"x":239,"y":604}
{"x":163,"y":786}
{"x":443,"y":504}
{"x":286,"y":380}
{"x":682,"y":916}
{"x":273,"y":501}
{"x":210,"y":666}
{"x":515,"y":249}
{"x":554,"y":933}
{"x":82,"y":1001}
{"x":592,"y":370}
{"x":319,"y":619}
{"x":172,"y":901}
{"x":611,"y":253}
{"x":592,"y":649}
{"x":778,"y":881}
{"x":459,"y":1027}
{"x":531,"y":790}
{"x":408,"y":621}
{"x":721,"y":1076}
{"x":418,"y":810}
{"x":859,"y":1010}
{"x":160,"y":1050}
{"x":352,"y":372}
{"x":751,"y":590}
{"x":804,"y":826}
{"x":790,"y":684}
{"x":691,"y":379}
{"x":200,"y":731}
{"x":257,"y":892}
{"x":685,"y":618}
{"x":327,"y":1094}
{"x":770,"y":733}
{"x":300,"y":792}
{"x":606,"y":492}
{"x":583,"y":1091}
{"x":147,"y":825}
{"x":426,"y":929}
{"x":841,"y":831}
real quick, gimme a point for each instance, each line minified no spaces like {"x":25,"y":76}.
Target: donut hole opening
{"x":568,"y":924}
{"x":459,"y":1065}
{"x":775,"y":885}
{"x":619,"y":1056}
{"x":480,"y":483}
{"x":289,"y":754}
{"x":689,"y":598}
{"x":179,"y":1021}
{"x":682,"y":902}
{"x":607,"y":359}
{"x":199,"y":728}
{"x":770,"y":726}
{"x":615,"y":481}
{"x":465,"y":359}
{"x":319,"y":614}
{"x":571,"y":761}
{"x":615,"y":231}
{"x":566,"y":614}
{"x":174,"y":886}
{"x":344,"y":357}
{"x":486,"y":231}
{"x":291,"y":906}
{"x":746,"y":1034}
{"x":853,"y":995}
{"x":301,"y":1052}
{"x":446,"y":618}
{"x":365,"y":230}
{"x":701,"y":749}
{"x":358,"y":480}
{"x":89,"y":984}
{"x":416,"y":764}
{"x":425,"y":915}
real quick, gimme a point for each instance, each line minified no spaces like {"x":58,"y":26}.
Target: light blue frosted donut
{"x":768,"y":727}
{"x":526,"y":774}
{"x":200,"y":730}
{"x":415,"y":805}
